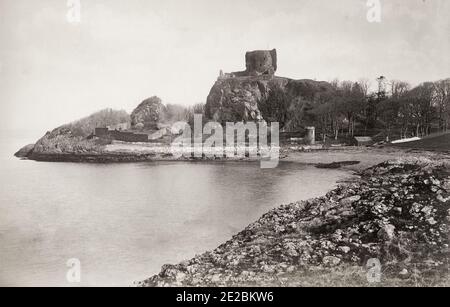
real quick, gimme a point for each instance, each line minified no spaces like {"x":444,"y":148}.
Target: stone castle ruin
{"x":261,"y":62}
{"x":257,"y":63}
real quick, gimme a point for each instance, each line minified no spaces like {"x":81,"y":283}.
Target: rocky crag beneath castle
{"x":239,"y":96}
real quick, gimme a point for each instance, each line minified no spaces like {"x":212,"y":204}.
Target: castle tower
{"x":261,"y":62}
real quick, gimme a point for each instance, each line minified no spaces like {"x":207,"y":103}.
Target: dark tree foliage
{"x":275,"y":107}
{"x":393,"y":110}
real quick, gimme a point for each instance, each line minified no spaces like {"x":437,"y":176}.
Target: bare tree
{"x":421,"y":103}
{"x":441,"y":100}
{"x":399,"y":88}
{"x":365,"y":85}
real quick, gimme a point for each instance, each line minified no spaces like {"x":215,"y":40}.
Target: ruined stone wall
{"x":128,"y":136}
{"x":101,"y":132}
{"x":120,"y":135}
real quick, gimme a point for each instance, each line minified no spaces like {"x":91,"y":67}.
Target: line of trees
{"x":394,"y":109}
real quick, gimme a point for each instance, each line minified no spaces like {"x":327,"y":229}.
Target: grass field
{"x":438,"y":142}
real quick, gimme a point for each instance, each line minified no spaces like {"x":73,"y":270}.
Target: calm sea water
{"x":123,"y":221}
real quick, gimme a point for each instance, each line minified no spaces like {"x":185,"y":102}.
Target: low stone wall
{"x":120,"y":135}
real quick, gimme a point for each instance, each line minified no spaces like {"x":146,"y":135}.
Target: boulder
{"x":149,"y":113}
{"x":350,"y":200}
{"x":387,"y":232}
{"x":331,"y":261}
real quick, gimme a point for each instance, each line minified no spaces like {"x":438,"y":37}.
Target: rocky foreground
{"x":396,"y":214}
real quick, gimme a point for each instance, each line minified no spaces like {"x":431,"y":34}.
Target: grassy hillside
{"x":73,"y":138}
{"x":438,"y":142}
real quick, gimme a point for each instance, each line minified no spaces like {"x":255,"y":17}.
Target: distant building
{"x":363,"y":141}
{"x":120,"y":127}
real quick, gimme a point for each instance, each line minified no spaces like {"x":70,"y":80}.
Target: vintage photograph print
{"x":240,"y":148}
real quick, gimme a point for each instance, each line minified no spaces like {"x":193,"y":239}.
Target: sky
{"x":54,"y":70}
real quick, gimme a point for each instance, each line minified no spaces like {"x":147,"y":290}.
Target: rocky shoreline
{"x":97,"y":158}
{"x":351,"y":158}
{"x":348,"y":157}
{"x":116,"y":157}
{"x":396,"y":214}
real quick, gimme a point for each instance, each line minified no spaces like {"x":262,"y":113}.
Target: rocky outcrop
{"x":25,"y":152}
{"x":148,"y":114}
{"x":397,"y":215}
{"x":64,"y":140}
{"x":238,"y":96}
{"x":77,"y":137}
{"x":238,"y":99}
